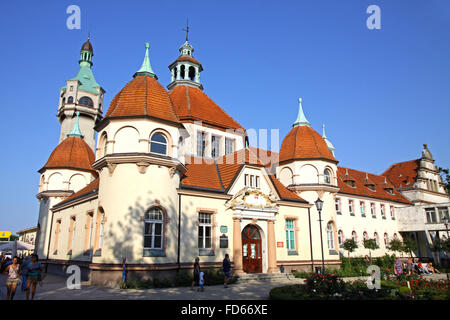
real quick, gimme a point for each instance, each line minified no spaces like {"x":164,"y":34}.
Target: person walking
{"x":409,"y":265}
{"x":34,"y":275}
{"x":226,"y":270}
{"x":196,"y":272}
{"x":13,"y":272}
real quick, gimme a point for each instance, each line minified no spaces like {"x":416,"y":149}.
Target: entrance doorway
{"x":251,"y":250}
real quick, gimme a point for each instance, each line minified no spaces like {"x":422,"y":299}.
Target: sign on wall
{"x":279,"y":244}
{"x":5,"y":234}
{"x":223,"y":229}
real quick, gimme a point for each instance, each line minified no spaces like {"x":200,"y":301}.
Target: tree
{"x":445,"y":175}
{"x":409,"y":246}
{"x":350,"y":245}
{"x":396,"y":245}
{"x":370,"y":244}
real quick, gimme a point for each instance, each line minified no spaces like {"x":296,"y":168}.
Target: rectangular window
{"x":383,"y":213}
{"x":337,"y":204}
{"x":57,"y":232}
{"x":350,"y":206}
{"x":215,"y":146}
{"x":204,"y":231}
{"x":391,"y":209}
{"x":443,"y":213}
{"x":201,"y":144}
{"x":246,"y":180}
{"x":290,"y":235}
{"x":229,"y":146}
{"x":252,"y":178}
{"x":71,"y":241}
{"x":431,"y":215}
{"x":362,"y":208}
{"x":257,"y":182}
{"x":372,"y":209}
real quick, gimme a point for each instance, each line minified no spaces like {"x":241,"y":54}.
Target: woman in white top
{"x":13,"y":272}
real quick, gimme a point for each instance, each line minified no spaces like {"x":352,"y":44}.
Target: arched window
{"x":395,"y":236}
{"x":158,"y":144}
{"x":340,"y":237}
{"x":375,"y":235}
{"x":86,"y":101}
{"x":330,"y":236}
{"x":327,"y":176}
{"x":153,"y":230}
{"x":70,"y":100}
{"x":365,"y":236}
{"x":386,"y":239}
{"x":192,"y":73}
{"x":354,"y":237}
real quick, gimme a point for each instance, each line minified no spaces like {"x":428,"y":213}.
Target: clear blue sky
{"x":381,"y":93}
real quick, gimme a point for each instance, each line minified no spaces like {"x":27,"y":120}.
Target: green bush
{"x":183,"y":279}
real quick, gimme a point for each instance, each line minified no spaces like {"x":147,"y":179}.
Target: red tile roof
{"x":89,"y":189}
{"x":218,"y":175}
{"x":192,"y":104}
{"x":187,"y":58}
{"x":361,"y":189}
{"x":142,"y":96}
{"x":303,"y":142}
{"x":72,"y":153}
{"x":403,"y":174}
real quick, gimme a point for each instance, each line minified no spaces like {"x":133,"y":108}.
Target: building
{"x":172,"y":178}
{"x":27,"y":235}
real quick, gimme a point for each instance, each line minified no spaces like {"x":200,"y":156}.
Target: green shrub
{"x":163,"y":283}
{"x":183,"y":279}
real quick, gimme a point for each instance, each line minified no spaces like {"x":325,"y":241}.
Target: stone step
{"x":246,"y":277}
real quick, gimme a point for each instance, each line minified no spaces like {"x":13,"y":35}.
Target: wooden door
{"x":251,"y":250}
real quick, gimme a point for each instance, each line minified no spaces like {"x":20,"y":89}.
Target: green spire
{"x":301,"y":119}
{"x":76,"y":132}
{"x":146,"y":68}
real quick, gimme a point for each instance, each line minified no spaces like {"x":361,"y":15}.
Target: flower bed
{"x":331,"y":287}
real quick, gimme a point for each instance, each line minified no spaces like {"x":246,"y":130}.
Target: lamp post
{"x":319,"y":206}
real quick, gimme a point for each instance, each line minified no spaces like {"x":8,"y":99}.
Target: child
{"x":202,"y":281}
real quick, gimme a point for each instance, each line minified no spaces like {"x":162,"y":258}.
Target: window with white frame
{"x":204,"y":231}
{"x":327,"y":176}
{"x":395,"y":236}
{"x":340,"y":237}
{"x":229,"y":146}
{"x":372,"y":209}
{"x":354,"y":237}
{"x":246,"y":182}
{"x":330,"y":236}
{"x":443,"y":213}
{"x":350,"y":206}
{"x":252,"y":180}
{"x":365,"y":236}
{"x":290,"y":234}
{"x":337,"y":204}
{"x":257,"y":182}
{"x":391,"y":208}
{"x":377,"y":240}
{"x":215,"y":143}
{"x":431,"y":215}
{"x":158,"y":144}
{"x":201,"y":144}
{"x":383,"y":212}
{"x":153,"y":230}
{"x":386,"y":240}
{"x":362,"y":208}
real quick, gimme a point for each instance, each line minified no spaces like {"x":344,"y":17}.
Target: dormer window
{"x":70,"y":100}
{"x":351,"y":183}
{"x":371,"y":187}
{"x":389,"y":190}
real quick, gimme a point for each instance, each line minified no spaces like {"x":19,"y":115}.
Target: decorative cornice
{"x":54,"y":193}
{"x":313,"y":187}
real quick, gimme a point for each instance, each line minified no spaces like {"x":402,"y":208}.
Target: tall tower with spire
{"x":185,"y":70}
{"x":84,"y":95}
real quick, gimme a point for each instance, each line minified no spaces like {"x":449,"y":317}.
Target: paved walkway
{"x":54,"y":288}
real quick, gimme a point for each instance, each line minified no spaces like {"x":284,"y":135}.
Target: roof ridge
{"x":146,"y":95}
{"x":218,"y":175}
{"x":70,"y":153}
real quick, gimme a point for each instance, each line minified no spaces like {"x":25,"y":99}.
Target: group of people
{"x":413,"y":266}
{"x":200,"y":276}
{"x":24,"y":273}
